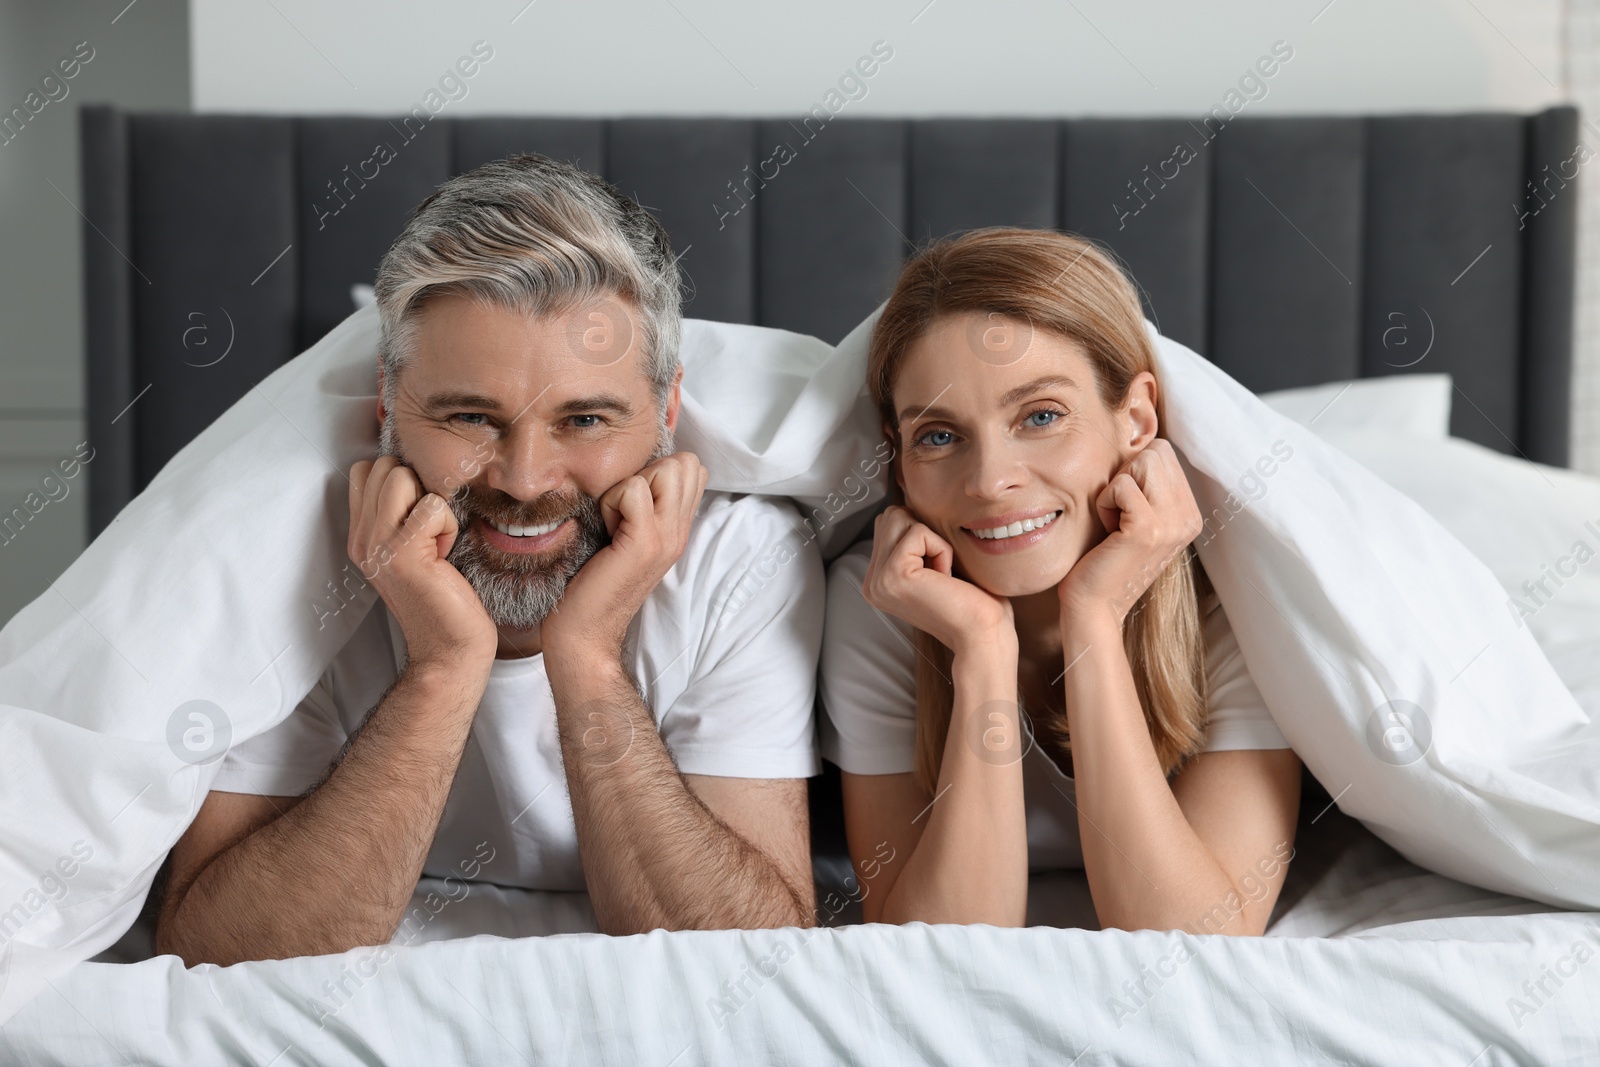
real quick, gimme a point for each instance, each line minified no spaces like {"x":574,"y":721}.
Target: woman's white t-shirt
{"x":869,"y":691}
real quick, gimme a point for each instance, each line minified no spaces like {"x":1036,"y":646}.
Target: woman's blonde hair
{"x":1066,"y":285}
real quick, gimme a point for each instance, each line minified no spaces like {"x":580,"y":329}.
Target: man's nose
{"x":526,"y":464}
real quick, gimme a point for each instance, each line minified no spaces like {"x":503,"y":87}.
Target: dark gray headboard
{"x":1289,"y":251}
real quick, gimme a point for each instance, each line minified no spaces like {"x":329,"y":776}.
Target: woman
{"x":1026,"y":668}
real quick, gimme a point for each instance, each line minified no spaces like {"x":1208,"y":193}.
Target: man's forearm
{"x":337,"y":870}
{"x":653,"y":855}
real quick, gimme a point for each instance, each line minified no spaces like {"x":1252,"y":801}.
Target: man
{"x":575,"y":677}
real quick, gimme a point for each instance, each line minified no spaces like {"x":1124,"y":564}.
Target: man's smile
{"x":524,"y":540}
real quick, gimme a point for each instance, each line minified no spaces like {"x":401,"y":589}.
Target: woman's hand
{"x":902,"y":581}
{"x":1152,"y":516}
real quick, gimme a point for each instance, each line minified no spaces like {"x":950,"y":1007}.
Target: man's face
{"x":522,"y":423}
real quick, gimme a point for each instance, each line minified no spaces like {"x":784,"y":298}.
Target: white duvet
{"x":1384,"y":648}
{"x":1368,"y":960}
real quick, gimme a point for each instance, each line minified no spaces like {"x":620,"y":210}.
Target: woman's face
{"x":1002,"y":429}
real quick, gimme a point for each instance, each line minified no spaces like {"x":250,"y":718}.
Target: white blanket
{"x":1386,"y":653}
{"x":1368,"y":960}
{"x":876,"y":994}
{"x":219,"y":596}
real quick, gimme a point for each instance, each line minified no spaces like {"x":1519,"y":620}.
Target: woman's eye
{"x":1043,"y":417}
{"x":944,"y":437}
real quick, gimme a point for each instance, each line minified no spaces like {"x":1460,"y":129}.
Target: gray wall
{"x":140,"y":60}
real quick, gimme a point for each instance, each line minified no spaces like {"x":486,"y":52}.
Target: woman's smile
{"x":1011,"y":532}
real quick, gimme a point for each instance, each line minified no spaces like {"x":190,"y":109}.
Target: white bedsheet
{"x":1369,"y":960}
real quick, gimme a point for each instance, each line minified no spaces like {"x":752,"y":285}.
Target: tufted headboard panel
{"x":1289,"y":251}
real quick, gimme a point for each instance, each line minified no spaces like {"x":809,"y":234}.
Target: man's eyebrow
{"x":611,"y":402}
{"x":1013,"y":396}
{"x":456,"y":401}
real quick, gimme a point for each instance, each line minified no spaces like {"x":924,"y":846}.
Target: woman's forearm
{"x":971,"y":863}
{"x":1146,"y":866}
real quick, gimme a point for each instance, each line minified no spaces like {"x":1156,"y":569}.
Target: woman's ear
{"x":1137,"y":418}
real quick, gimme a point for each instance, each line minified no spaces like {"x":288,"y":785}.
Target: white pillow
{"x":1537,"y":528}
{"x":1414,"y":404}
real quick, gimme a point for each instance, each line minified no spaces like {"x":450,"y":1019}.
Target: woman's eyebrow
{"x":1022,"y":392}
{"x":1012,"y":396}
{"x":910,"y":413}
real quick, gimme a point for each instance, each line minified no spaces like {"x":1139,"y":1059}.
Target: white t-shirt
{"x":725,"y":650}
{"x":869,"y":692}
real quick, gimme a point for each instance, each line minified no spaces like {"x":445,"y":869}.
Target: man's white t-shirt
{"x":869,"y":693}
{"x":725,"y":650}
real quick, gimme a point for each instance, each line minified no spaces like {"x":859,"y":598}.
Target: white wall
{"x":139,"y":60}
{"x":1583,"y":81}
{"x":951,"y":57}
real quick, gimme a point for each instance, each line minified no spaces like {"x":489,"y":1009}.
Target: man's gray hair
{"x":535,"y":235}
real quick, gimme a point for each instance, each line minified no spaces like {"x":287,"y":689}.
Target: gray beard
{"x":519,"y":591}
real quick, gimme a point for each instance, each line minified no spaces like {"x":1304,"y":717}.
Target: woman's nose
{"x":995,"y":470}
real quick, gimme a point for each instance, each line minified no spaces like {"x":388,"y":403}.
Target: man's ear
{"x":674,"y":399}
{"x":1137,"y":421}
{"x":380,"y":394}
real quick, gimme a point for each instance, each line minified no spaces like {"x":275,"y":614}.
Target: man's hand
{"x":648,"y":515}
{"x":399,"y":537}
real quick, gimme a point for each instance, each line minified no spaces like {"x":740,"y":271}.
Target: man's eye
{"x":470,"y":415}
{"x":944,"y":438}
{"x":580,"y":424}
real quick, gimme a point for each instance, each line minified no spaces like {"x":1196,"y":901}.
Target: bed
{"x":1362,"y":246}
{"x":1368,"y":959}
